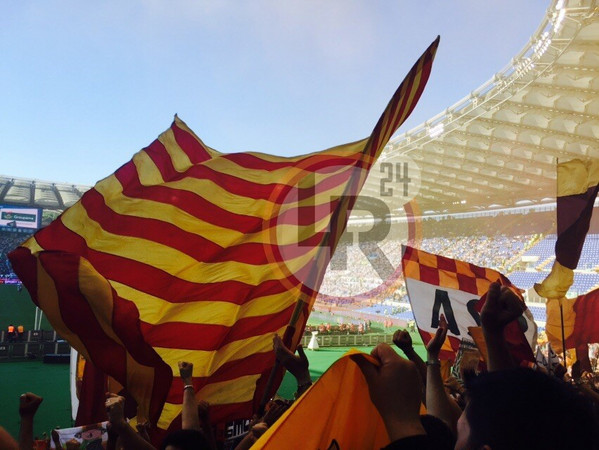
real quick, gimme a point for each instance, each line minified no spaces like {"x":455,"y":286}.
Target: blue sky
{"x":84,"y":85}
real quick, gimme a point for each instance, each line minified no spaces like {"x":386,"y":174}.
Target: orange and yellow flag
{"x":580,"y":321}
{"x":189,"y":254}
{"x":337,"y":410}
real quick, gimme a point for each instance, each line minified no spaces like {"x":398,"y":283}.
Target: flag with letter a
{"x":189,"y":254}
{"x":438,"y":285}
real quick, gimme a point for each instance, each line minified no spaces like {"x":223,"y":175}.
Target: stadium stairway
{"x":545,"y":263}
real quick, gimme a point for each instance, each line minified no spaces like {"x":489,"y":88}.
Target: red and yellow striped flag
{"x":185,"y":253}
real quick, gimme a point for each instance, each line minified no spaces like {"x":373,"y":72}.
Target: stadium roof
{"x":39,"y":194}
{"x":496,"y":147}
{"x":499,"y":145}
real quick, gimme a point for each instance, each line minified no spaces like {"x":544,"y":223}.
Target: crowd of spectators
{"x":359,"y":281}
{"x":341,"y":281}
{"x":497,"y":252}
{"x":8,"y":242}
{"x":510,"y":224}
{"x":504,"y":405}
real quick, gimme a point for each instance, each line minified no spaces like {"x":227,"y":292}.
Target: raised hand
{"x":296,"y":364}
{"x":186,"y":371}
{"x":403,"y":340}
{"x":29,"y":403}
{"x":395,"y":389}
{"x":275,"y":411}
{"x":115,"y":408}
{"x":252,"y":436}
{"x":434,"y":345}
{"x":502,"y":307}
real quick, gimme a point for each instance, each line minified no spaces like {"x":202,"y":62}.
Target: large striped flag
{"x":439,"y":285}
{"x":577,"y":189}
{"x":185,"y":253}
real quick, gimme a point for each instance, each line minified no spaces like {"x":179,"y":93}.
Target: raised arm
{"x":28,"y":405}
{"x":438,"y":402}
{"x":297,"y":365}
{"x":189,"y":415}
{"x":395,"y":390}
{"x":115,"y":405}
{"x":502,"y":307}
{"x":403,"y":340}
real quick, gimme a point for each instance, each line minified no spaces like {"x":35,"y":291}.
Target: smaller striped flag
{"x":577,"y":189}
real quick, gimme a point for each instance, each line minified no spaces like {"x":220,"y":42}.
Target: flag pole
{"x":287,"y":337}
{"x":561,"y":313}
{"x":388,"y":123}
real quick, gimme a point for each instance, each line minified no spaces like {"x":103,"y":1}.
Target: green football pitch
{"x":51,"y":381}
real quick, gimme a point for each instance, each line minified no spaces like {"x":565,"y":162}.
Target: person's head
{"x":523,"y":409}
{"x":439,"y":434}
{"x":185,"y":440}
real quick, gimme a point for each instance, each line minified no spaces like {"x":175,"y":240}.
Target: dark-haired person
{"x":185,"y":440}
{"x":523,"y":409}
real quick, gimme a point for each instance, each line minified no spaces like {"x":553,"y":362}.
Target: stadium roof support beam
{"x":5,"y":189}
{"x":544,"y":109}
{"x":31,"y":201}
{"x":58,"y":196}
{"x":77,"y":191}
{"x":574,"y":92}
{"x":542,"y":130}
{"x":477,"y":178}
{"x":511,"y":157}
{"x":489,"y":140}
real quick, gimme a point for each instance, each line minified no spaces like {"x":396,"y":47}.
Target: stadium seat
{"x":49,"y":335}
{"x":33,"y":348}
{"x":54,"y":358}
{"x":17,"y":350}
{"x":63,"y":347}
{"x":49,"y":347}
{"x":35,"y":335}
